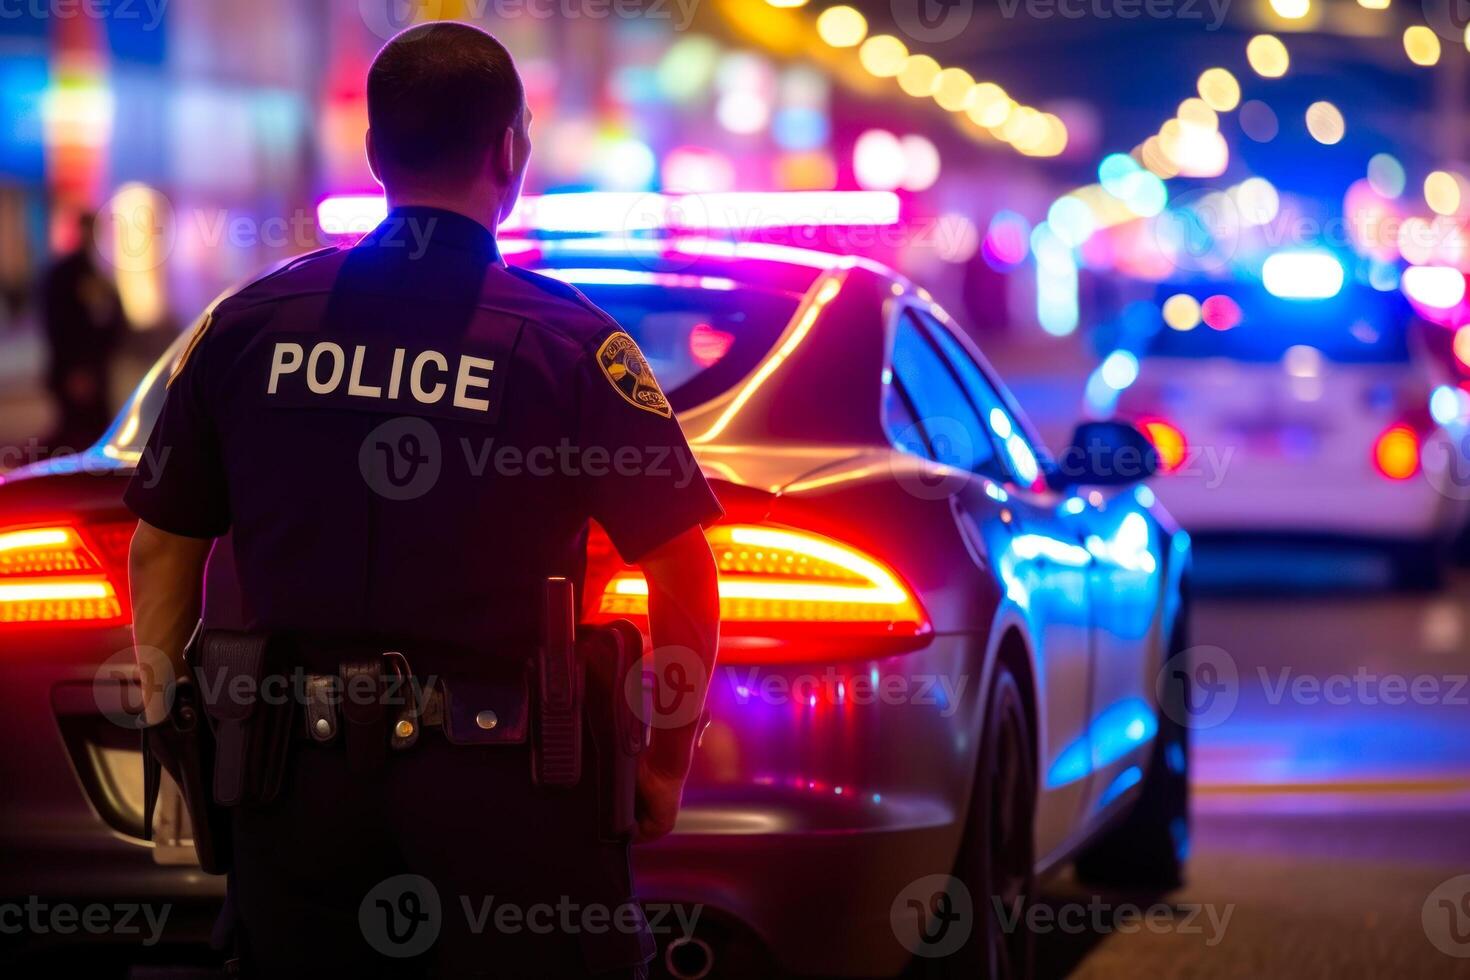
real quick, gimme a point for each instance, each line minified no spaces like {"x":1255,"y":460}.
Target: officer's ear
{"x":505,"y":157}
{"x":372,"y":156}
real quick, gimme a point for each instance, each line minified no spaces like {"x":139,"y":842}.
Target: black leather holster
{"x":618,"y":704}
{"x":184,"y":746}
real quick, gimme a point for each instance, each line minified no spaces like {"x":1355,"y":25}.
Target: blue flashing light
{"x":1304,"y":274}
{"x":1445,"y":404}
{"x":1119,"y":369}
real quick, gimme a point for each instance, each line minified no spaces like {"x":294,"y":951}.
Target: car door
{"x":1030,"y":545}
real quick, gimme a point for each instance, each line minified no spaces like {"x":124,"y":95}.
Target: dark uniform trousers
{"x":317,"y":892}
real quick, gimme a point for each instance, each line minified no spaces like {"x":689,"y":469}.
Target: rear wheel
{"x":998,"y":860}
{"x":1147,"y":850}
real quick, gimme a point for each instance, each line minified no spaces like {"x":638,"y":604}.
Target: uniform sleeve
{"x":645,"y":486}
{"x":180,"y":485}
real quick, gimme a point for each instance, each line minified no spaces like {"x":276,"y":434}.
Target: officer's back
{"x":406,"y":439}
{"x":405,"y":426}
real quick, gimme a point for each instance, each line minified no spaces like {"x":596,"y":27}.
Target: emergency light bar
{"x":611,"y":212}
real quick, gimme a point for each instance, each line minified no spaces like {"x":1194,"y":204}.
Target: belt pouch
{"x":251,"y":718}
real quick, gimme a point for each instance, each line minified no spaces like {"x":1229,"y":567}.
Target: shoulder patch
{"x":198,"y":335}
{"x":623,"y":365}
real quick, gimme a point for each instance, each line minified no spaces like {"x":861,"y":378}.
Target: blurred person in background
{"x":84,"y":321}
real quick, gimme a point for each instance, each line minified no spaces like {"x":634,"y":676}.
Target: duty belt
{"x":368,"y":699}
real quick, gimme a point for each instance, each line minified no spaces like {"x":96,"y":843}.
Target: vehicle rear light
{"x":64,"y":574}
{"x":1168,"y":442}
{"x":1396,"y":452}
{"x":782,"y":588}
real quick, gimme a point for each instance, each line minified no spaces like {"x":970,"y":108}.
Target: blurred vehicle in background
{"x":1307,"y":409}
{"x":934,"y":660}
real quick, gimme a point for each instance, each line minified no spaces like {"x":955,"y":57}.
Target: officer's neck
{"x":481,"y":209}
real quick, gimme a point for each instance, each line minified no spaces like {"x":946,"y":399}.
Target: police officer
{"x":346,"y":421}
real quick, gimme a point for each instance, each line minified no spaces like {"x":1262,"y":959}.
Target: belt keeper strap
{"x":323,"y":692}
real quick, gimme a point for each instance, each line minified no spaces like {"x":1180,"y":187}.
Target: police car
{"x":948,"y":661}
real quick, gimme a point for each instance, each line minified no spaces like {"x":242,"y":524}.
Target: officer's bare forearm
{"x":683,"y":614}
{"x":166,"y":580}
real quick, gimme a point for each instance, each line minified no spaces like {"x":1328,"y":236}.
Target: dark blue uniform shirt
{"x":404,"y":438}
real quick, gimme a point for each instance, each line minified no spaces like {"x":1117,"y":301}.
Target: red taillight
{"x":786,"y":593}
{"x":64,"y":574}
{"x":1168,"y":442}
{"x":1396,"y":452}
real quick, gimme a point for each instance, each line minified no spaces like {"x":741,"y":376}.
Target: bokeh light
{"x":918,"y":75}
{"x":1386,"y":174}
{"x":1421,"y":45}
{"x":842,"y":26}
{"x":1258,"y":121}
{"x":1325,"y":123}
{"x":988,"y":105}
{"x":1267,"y":56}
{"x":1181,"y":312}
{"x":1219,"y":89}
{"x":952,"y":88}
{"x":1220,"y":312}
{"x":878,"y":160}
{"x":1442,"y":192}
{"x":1291,"y":9}
{"x":883,"y":55}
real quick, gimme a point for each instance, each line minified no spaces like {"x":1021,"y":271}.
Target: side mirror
{"x":1105,"y":454}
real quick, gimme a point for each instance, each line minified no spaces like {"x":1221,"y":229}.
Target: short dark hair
{"x":440,"y":97}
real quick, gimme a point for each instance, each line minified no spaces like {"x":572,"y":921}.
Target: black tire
{"x":1146,"y":851}
{"x":998,"y":858}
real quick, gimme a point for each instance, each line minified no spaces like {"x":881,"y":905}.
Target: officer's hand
{"x":657,"y":804}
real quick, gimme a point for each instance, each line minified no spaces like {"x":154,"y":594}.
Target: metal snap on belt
{"x":403,"y":729}
{"x":323,"y":727}
{"x":487,"y":719}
